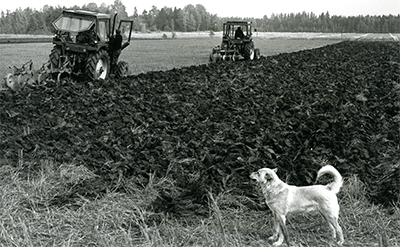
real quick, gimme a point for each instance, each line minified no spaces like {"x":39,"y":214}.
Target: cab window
{"x":72,"y":24}
{"x":103,"y":31}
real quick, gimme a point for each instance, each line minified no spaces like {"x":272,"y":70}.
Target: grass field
{"x":28,"y":218}
{"x":151,"y":55}
{"x":148,"y":52}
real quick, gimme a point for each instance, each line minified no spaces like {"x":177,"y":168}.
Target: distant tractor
{"x":81,"y":49}
{"x":237,"y":43}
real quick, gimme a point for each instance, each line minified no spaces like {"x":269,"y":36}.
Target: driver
{"x":88,"y":36}
{"x":115,"y":45}
{"x":239,"y":33}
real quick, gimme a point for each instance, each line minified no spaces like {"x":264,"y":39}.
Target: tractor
{"x":81,"y":49}
{"x":237,"y":43}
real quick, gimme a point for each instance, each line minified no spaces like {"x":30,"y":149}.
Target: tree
{"x":104,"y":9}
{"x":150,"y":17}
{"x":136,"y":20}
{"x":194,"y":20}
{"x":162,"y":20}
{"x":119,"y":8}
{"x":203,"y":17}
{"x":362,"y":27}
{"x":91,"y":7}
{"x":191,"y":24}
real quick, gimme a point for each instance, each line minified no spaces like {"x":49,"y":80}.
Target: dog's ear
{"x":275,"y":170}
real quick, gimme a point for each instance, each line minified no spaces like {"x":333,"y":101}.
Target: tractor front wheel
{"x":122,"y":69}
{"x":257,"y":54}
{"x":212,"y":59}
{"x":97,"y":66}
{"x":215,"y":57}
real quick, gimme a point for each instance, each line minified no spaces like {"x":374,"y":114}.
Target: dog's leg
{"x":276,"y":227}
{"x":282,"y":231}
{"x":333,"y":223}
{"x":338,"y":231}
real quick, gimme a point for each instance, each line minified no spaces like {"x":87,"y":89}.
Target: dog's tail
{"x":337,"y":178}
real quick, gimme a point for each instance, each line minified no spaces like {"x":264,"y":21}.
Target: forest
{"x":196,"y":18}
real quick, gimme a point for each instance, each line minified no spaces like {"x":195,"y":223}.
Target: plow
{"x":82,"y":50}
{"x":26,"y":75}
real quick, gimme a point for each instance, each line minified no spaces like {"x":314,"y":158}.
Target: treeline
{"x":310,"y":22}
{"x":32,"y":21}
{"x":196,"y":18}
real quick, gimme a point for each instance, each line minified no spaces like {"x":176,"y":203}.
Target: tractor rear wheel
{"x":122,"y":69}
{"x":249,"y":51}
{"x":54,"y":58}
{"x":97,"y":66}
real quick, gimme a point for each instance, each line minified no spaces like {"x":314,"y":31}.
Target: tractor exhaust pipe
{"x":113,"y":28}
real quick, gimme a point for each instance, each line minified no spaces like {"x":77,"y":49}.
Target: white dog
{"x":282,"y":199}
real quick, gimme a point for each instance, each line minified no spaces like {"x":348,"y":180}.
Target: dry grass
{"x":29,"y":216}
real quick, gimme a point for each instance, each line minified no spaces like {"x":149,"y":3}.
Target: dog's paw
{"x":277,"y":243}
{"x":274,"y":237}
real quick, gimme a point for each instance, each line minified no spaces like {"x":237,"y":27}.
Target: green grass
{"x":153,"y":55}
{"x":29,"y":216}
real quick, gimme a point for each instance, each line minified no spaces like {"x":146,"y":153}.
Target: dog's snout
{"x":253,"y":176}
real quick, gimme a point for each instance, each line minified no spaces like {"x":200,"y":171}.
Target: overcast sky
{"x":254,"y":8}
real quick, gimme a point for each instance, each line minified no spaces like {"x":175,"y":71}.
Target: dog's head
{"x":264,"y":175}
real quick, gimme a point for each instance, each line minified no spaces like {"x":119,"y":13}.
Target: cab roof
{"x":238,"y":22}
{"x":86,"y":13}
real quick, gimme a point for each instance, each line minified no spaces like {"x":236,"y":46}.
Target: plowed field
{"x":209,"y":126}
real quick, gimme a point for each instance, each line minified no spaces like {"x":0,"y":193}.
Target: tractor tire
{"x":97,"y":66}
{"x":11,"y":82}
{"x":215,"y":57}
{"x":122,"y":69}
{"x":212,"y":59}
{"x":54,"y":58}
{"x":249,"y":51}
{"x":257,"y":54}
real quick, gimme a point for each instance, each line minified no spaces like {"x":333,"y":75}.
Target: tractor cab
{"x":237,"y":30}
{"x":83,"y":27}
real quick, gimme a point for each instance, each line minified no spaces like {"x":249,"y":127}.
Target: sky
{"x":254,"y":8}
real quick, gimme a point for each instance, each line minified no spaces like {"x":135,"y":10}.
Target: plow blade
{"x":17,"y":81}
{"x":25,"y":76}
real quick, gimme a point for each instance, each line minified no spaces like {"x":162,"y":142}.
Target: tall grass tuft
{"x":363,"y":220}
{"x":29,"y":216}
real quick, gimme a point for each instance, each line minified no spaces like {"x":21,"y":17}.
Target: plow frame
{"x":25,"y":75}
